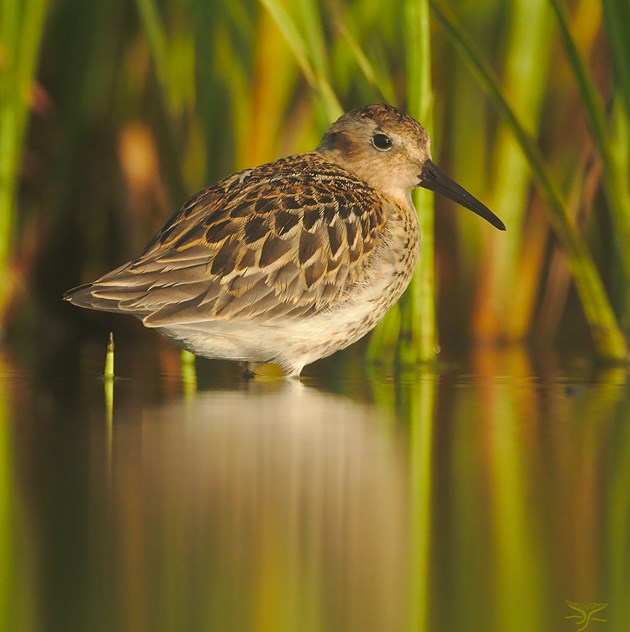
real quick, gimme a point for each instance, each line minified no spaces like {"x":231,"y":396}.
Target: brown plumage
{"x":292,"y":260}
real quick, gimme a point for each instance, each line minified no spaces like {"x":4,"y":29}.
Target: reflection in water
{"x":461,"y":500}
{"x":273,"y":507}
{"x":17,"y":579}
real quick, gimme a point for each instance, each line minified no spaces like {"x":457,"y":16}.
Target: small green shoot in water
{"x":108,"y":373}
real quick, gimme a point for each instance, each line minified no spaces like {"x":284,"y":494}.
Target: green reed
{"x":21,"y":28}
{"x":210,"y":104}
{"x":611,"y":150}
{"x":607,"y":336}
{"x":309,"y":47}
{"x":418,"y":340}
{"x":524,"y":84}
{"x":108,"y":371}
{"x":617,"y":18}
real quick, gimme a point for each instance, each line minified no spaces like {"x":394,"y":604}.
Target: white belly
{"x":294,"y":343}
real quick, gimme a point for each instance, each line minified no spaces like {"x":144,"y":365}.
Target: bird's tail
{"x":111,"y":293}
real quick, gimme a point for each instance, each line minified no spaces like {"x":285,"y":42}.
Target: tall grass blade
{"x":609,"y":341}
{"x":380,"y":83}
{"x":171,"y":96}
{"x":418,"y":339}
{"x":156,"y":38}
{"x":614,"y":177}
{"x":21,"y":29}
{"x":588,"y":92}
{"x":313,"y":35}
{"x":617,"y":17}
{"x":305,"y":58}
{"x":525,"y":79}
{"x":410,"y":327}
{"x":270,"y":92}
{"x":617,"y":20}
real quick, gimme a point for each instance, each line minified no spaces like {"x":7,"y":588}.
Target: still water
{"x":479,"y":496}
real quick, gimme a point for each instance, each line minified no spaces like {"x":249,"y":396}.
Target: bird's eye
{"x":381,"y":141}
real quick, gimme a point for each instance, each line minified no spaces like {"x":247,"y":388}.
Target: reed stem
{"x":418,"y":335}
{"x":21,"y":29}
{"x":108,"y":372}
{"x":609,"y":341}
{"x":614,"y":172}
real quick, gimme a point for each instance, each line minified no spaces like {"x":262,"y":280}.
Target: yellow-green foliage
{"x":134,"y":107}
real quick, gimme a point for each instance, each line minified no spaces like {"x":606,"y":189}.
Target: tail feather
{"x":108,"y":293}
{"x":87,"y":296}
{"x":140,"y":293}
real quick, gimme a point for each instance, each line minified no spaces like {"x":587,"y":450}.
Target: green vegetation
{"x":21,"y":27}
{"x":108,"y":372}
{"x":417,"y":307}
{"x":134,"y":107}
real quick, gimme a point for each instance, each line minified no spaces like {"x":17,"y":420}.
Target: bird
{"x":293,"y":260}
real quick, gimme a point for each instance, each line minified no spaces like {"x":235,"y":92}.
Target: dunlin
{"x":293,"y":260}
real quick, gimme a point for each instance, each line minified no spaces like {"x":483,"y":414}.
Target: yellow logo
{"x":586,"y":610}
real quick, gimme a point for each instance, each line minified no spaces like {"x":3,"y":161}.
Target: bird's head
{"x":391,"y":151}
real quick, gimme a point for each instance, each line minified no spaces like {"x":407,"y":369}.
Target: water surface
{"x":480,"y":496}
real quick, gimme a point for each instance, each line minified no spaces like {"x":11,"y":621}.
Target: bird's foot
{"x":248,"y":372}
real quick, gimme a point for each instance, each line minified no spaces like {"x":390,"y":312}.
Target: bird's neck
{"x":370,"y":172}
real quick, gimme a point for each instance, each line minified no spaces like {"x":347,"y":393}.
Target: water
{"x":478,"y":497}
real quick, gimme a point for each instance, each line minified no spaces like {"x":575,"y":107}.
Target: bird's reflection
{"x":266,"y":507}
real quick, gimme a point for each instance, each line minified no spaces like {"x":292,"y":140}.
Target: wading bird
{"x":293,"y":260}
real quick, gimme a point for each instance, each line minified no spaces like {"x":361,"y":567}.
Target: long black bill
{"x":434,"y":179}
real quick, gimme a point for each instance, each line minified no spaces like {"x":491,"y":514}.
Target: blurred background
{"x":114,"y":112}
{"x":481,"y":492}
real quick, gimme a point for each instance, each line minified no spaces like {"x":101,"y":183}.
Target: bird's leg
{"x":293,"y":373}
{"x":248,"y":372}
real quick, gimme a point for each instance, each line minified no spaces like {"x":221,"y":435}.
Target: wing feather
{"x":281,"y":241}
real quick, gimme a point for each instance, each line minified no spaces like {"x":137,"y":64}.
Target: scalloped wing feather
{"x":282,"y":241}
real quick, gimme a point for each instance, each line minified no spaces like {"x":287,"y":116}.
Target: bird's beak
{"x":434,"y":179}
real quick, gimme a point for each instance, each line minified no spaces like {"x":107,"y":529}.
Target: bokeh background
{"x":114,"y":112}
{"x":480,"y":492}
